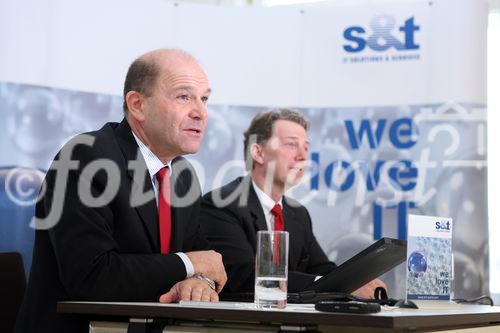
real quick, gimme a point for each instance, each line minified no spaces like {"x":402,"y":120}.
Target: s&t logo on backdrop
{"x":389,"y":39}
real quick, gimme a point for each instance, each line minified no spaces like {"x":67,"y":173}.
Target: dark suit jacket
{"x":231,"y":228}
{"x":110,"y":252}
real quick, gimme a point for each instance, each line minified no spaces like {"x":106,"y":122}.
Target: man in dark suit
{"x":276,"y":152}
{"x":99,"y":234}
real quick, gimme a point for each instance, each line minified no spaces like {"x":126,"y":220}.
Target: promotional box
{"x":429,"y":272}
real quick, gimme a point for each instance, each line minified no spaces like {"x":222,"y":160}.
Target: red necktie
{"x":164,"y":209}
{"x":279,"y":225}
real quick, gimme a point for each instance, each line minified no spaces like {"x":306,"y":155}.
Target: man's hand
{"x":368,"y":290}
{"x":191,"y":289}
{"x":209,"y":264}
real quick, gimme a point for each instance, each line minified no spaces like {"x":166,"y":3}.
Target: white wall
{"x":254,"y":56}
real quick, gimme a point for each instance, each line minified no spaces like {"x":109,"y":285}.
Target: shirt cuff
{"x":187,"y":263}
{"x":317,"y":277}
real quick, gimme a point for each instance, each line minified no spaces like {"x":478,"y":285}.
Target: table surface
{"x":460,"y":317}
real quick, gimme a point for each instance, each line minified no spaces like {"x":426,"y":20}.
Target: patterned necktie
{"x":165,"y":215}
{"x":279,"y":225}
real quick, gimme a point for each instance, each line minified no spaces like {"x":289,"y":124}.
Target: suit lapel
{"x":294,"y":231}
{"x":288,"y":215}
{"x":256,"y":210}
{"x":142,"y":196}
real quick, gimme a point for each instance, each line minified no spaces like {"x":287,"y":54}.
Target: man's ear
{"x":257,"y":153}
{"x":135,"y":104}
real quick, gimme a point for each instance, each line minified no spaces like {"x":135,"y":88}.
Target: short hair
{"x":261,"y":129}
{"x":145,"y":70}
{"x":141,"y":77}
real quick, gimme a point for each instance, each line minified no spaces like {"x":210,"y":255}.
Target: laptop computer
{"x":377,"y":259}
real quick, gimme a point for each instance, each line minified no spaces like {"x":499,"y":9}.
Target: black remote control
{"x":347,"y":307}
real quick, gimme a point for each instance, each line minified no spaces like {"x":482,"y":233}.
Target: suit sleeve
{"x":90,"y":263}
{"x":193,"y":238}
{"x":225,"y":231}
{"x":318,"y":260}
{"x":310,"y":261}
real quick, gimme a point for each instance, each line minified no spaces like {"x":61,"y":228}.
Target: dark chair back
{"x":19,"y":187}
{"x":12,"y":287}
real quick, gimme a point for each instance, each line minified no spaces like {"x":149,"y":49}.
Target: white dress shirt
{"x":267,"y":205}
{"x":154,"y":165}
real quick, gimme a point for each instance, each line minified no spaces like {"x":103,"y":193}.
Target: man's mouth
{"x":194,"y":131}
{"x":297,"y":168}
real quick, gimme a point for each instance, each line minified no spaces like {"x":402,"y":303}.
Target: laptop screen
{"x":375,"y":260}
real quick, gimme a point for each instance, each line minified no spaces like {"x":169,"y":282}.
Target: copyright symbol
{"x":22,"y":186}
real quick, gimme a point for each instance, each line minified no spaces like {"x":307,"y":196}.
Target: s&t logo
{"x":383,"y":36}
{"x":442,"y":225}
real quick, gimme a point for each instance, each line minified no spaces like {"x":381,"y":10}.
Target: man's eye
{"x":184,"y":98}
{"x":204,"y":100}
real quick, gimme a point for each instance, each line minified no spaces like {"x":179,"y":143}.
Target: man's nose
{"x":199,"y":110}
{"x":302,"y":154}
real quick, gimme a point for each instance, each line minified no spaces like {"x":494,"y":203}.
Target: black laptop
{"x":375,"y":260}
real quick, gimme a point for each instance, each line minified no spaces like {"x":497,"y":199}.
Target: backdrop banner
{"x":396,"y":97}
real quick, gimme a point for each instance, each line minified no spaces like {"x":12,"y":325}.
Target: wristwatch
{"x":210,"y":282}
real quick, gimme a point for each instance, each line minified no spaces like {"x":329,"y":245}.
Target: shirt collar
{"x":265,"y":200}
{"x":153,"y":163}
